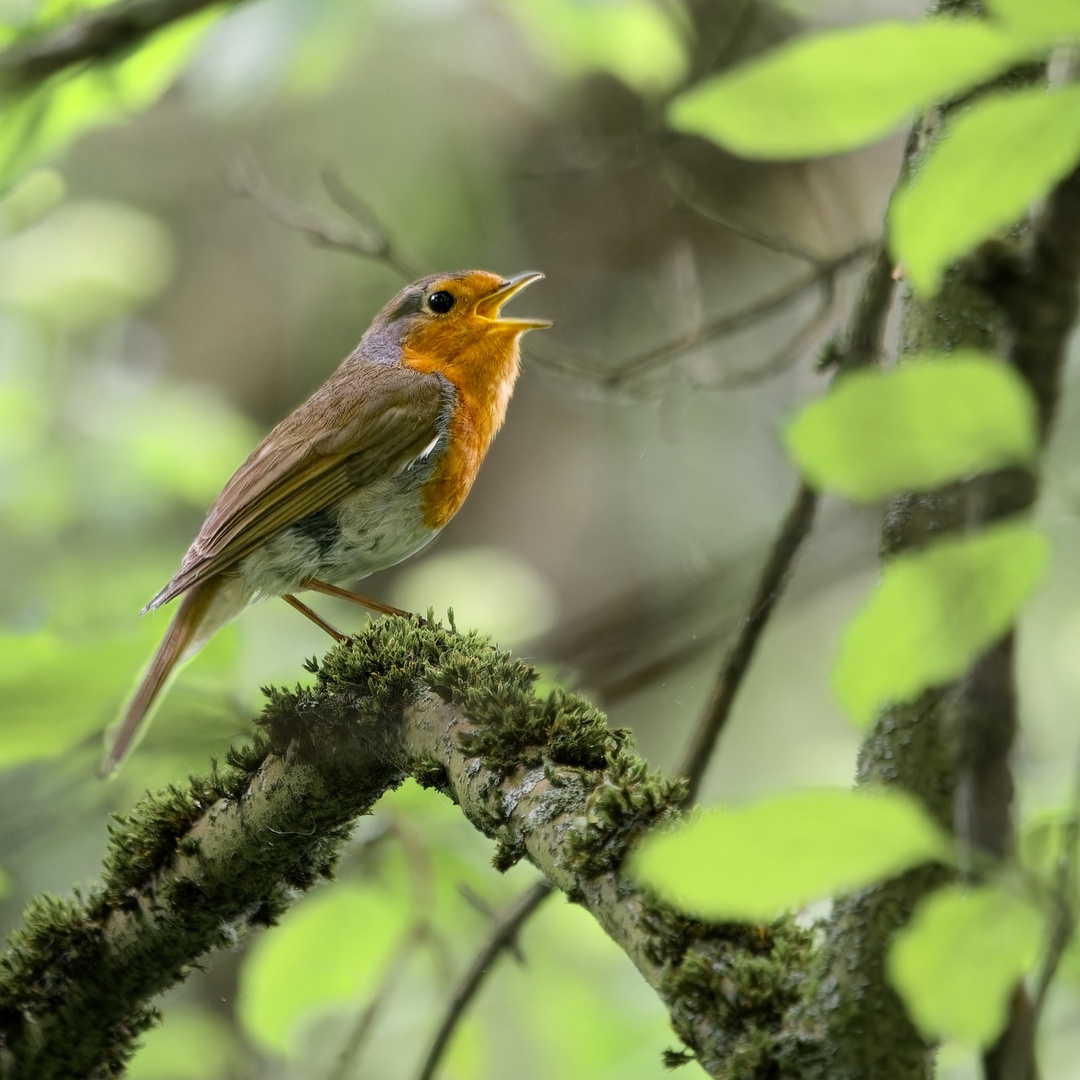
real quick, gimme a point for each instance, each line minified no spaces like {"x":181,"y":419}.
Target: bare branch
{"x":679,"y":183}
{"x":503,"y":937}
{"x":374,"y":242}
{"x":383,"y":247}
{"x":788,"y":352}
{"x":823,"y":277}
{"x":370,"y":241}
{"x":797,"y":525}
{"x":863,"y":344}
{"x":93,"y":36}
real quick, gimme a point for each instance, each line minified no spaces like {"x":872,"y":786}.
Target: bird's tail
{"x":198,"y":618}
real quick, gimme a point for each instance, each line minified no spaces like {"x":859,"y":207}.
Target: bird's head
{"x":451,"y":323}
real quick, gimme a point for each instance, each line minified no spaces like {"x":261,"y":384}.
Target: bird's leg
{"x":356,"y":598}
{"x":317,"y":619}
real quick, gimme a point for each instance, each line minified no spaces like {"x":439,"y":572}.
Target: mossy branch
{"x":192,"y":869}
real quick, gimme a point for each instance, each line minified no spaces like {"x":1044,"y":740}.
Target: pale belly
{"x":370,"y":530}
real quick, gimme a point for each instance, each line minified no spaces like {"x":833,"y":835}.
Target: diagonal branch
{"x":96,"y":35}
{"x":862,"y":346}
{"x":796,"y":527}
{"x":726,"y":325}
{"x":502,"y":937}
{"x":372,"y":241}
{"x":368,"y":240}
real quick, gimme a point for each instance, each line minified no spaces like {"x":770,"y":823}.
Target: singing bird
{"x":362,"y":475}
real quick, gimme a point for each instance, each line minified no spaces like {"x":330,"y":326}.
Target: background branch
{"x":374,"y":241}
{"x":862,"y":346}
{"x":821,"y":277}
{"x":503,"y":937}
{"x":90,"y":37}
{"x":370,"y":241}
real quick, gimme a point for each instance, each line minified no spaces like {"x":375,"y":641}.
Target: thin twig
{"x":422,"y":886}
{"x":502,"y":937}
{"x":862,"y":346}
{"x":724,"y":326}
{"x":786,"y":354}
{"x":93,"y":36}
{"x":779,"y":244}
{"x":383,"y":248}
{"x":797,"y":525}
{"x":370,"y":242}
{"x":392,"y":975}
{"x":375,"y":243}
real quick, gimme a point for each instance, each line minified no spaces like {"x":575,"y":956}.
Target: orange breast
{"x":454,"y":474}
{"x":483,"y":373}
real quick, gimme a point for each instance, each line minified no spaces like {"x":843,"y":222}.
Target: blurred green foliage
{"x":638,"y":41}
{"x":45,"y":120}
{"x":484,"y":586}
{"x":193,"y":1045}
{"x":836,"y":91}
{"x":839,"y":90}
{"x":329,"y":950}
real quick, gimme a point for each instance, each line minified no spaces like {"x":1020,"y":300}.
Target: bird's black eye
{"x":440,"y":302}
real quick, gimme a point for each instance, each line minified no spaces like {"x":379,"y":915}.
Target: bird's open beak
{"x":489,"y":307}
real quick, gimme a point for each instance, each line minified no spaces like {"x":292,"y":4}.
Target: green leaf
{"x":992,"y":164}
{"x":1043,"y":19}
{"x":753,"y":863}
{"x":958,"y":960}
{"x":327,"y":950}
{"x":933,"y":613}
{"x":918,"y":426}
{"x":840,"y":90}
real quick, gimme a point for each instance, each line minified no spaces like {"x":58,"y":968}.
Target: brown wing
{"x":367,"y":421}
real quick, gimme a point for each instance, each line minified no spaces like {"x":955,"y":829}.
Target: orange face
{"x":454,"y":328}
{"x":454,"y":322}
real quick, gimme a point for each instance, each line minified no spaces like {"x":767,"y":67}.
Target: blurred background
{"x":162,"y":305}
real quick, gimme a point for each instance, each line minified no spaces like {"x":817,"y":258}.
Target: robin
{"x":362,"y":475}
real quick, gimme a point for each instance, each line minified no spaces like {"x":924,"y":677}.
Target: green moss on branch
{"x":193,"y":868}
